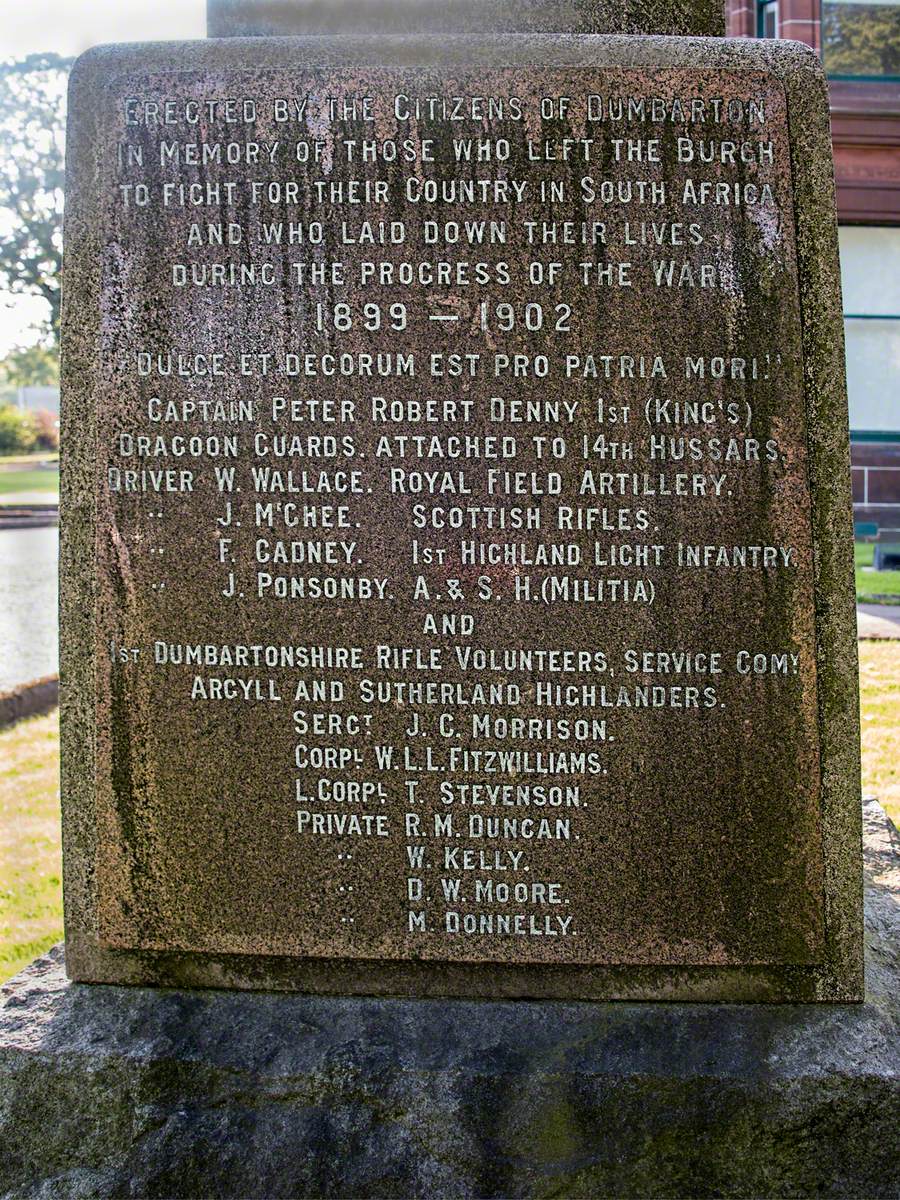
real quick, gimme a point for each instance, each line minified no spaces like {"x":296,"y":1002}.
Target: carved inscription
{"x":455,"y":554}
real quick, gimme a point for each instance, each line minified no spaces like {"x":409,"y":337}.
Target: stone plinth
{"x":266,"y":18}
{"x":119,"y":1091}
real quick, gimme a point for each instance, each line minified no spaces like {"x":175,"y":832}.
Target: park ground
{"x":874,"y":587}
{"x":30,"y":871}
{"x":29,"y":473}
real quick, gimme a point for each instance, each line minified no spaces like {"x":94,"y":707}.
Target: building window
{"x":870,"y":271}
{"x":861,"y":39}
{"x":767,"y":19}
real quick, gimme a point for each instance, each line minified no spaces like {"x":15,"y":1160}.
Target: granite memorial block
{"x":272,"y":18}
{"x":457,"y":589}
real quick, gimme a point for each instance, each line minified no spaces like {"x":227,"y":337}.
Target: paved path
{"x":11,"y":499}
{"x":878,"y":620}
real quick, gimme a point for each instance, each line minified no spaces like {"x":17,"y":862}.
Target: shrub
{"x":18,"y":431}
{"x":46,"y":425}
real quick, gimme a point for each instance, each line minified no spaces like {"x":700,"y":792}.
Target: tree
{"x":861,"y":39}
{"x":30,"y":366}
{"x":46,"y":429}
{"x":18,"y":431}
{"x":32,"y":142}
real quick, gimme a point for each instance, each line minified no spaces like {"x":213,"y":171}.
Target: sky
{"x":69,"y":27}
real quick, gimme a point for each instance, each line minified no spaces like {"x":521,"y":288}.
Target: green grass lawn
{"x":30,"y":863}
{"x":879,"y":685}
{"x":30,"y":892}
{"x":18,"y":480}
{"x":871,"y":586}
{"x":38,"y":456}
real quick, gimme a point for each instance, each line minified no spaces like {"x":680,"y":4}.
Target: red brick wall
{"x":799,"y":20}
{"x":740,"y":18}
{"x":865,"y":120}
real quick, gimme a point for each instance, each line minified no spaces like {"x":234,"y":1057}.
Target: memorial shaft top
{"x":268,"y":18}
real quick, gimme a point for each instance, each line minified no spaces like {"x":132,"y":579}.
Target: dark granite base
{"x":114,"y":1091}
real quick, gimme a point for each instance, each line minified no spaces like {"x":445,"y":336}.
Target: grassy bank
{"x":874,"y":587}
{"x":46,"y":480}
{"x":23,"y":460}
{"x":29,"y":473}
{"x":879,"y":685}
{"x":30,"y":865}
{"x":30,"y":893}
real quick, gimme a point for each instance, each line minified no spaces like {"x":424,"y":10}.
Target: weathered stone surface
{"x":266,"y":18}
{"x":672,"y":831}
{"x":111,"y":1091}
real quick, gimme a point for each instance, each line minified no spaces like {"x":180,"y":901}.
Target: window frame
{"x":763,"y":9}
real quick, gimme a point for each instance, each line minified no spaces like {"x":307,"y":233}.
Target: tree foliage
{"x":32,"y":142}
{"x":861,"y":39}
{"x":23,"y":431}
{"x":31,"y":366}
{"x":18,"y":431}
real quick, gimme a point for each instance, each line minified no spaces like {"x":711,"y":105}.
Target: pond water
{"x":28,"y":592}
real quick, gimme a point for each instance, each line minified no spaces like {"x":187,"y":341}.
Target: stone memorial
{"x":457,"y":623}
{"x":457,"y":586}
{"x":273,"y":18}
